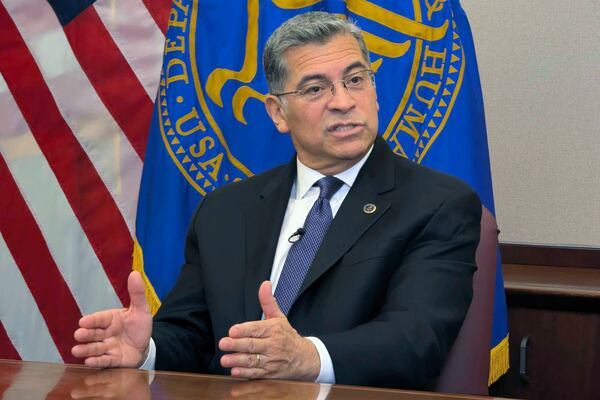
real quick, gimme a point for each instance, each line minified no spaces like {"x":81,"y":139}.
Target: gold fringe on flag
{"x":138,"y":265}
{"x":499,"y":362}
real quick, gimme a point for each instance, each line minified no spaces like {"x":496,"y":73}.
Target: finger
{"x":248,"y":373}
{"x":89,"y":350}
{"x":100,"y":319}
{"x":84,"y":335}
{"x":137,"y":294}
{"x":243,"y":345}
{"x":253,"y":329}
{"x":103,"y":361}
{"x":244,"y":360}
{"x":268,"y":303}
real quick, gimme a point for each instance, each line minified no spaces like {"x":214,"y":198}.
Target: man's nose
{"x":341,"y":98}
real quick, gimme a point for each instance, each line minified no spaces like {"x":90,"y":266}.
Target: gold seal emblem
{"x":209,"y":109}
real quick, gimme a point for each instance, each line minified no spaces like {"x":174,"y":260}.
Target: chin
{"x":353,"y":154}
{"x":356,"y":148}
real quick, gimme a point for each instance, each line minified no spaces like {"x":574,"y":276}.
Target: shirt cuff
{"x":150,"y":360}
{"x":327,"y":374}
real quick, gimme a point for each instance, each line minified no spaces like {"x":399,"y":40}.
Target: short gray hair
{"x":311,"y":27}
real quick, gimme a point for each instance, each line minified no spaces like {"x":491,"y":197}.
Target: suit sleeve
{"x":427,"y":298}
{"x":181,"y":327}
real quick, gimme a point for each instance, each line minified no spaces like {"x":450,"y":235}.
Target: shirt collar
{"x":306,"y":177}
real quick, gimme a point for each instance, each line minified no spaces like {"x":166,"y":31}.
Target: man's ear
{"x":276,"y":111}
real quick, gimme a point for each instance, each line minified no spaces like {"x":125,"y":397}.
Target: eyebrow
{"x":354,"y":65}
{"x":321,"y":77}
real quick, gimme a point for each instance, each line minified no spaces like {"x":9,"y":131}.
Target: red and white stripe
{"x":75,"y":108}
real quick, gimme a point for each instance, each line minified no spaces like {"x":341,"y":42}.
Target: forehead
{"x":328,"y":59}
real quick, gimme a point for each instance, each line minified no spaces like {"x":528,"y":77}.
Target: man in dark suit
{"x":366,"y":259}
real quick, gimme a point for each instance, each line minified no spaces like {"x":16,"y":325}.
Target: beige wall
{"x":539,"y":62}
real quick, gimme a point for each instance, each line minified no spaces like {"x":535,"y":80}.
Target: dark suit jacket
{"x":386,"y":293}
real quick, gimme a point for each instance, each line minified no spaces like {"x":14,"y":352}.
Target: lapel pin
{"x":369,"y":208}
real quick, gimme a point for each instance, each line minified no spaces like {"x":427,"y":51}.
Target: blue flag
{"x":210,"y":127}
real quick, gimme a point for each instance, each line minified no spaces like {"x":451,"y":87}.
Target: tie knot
{"x":329,"y":185}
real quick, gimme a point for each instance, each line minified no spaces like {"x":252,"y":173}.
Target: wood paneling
{"x":553,"y":299}
{"x":554,"y":281}
{"x":550,"y":256}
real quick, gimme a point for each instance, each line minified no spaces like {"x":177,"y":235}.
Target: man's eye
{"x":312,"y":90}
{"x":355,"y":80}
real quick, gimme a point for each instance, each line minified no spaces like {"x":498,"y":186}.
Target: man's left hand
{"x":271,"y":348}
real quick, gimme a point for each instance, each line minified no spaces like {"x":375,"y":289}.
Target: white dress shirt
{"x":302,"y":197}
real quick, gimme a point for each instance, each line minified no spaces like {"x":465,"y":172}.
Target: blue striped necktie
{"x":303,"y":251}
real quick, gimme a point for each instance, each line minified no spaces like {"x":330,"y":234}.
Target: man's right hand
{"x":118,"y":337}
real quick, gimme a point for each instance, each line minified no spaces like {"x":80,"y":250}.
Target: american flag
{"x":77,"y":83}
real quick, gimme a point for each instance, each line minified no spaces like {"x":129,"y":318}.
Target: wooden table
{"x":33,"y":380}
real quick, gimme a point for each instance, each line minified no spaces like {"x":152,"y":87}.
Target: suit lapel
{"x":375,"y":178}
{"x":263,"y":222}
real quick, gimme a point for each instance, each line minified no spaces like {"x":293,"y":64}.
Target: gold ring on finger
{"x":257,"y":359}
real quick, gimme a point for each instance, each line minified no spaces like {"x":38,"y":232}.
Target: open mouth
{"x":344,"y":128}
